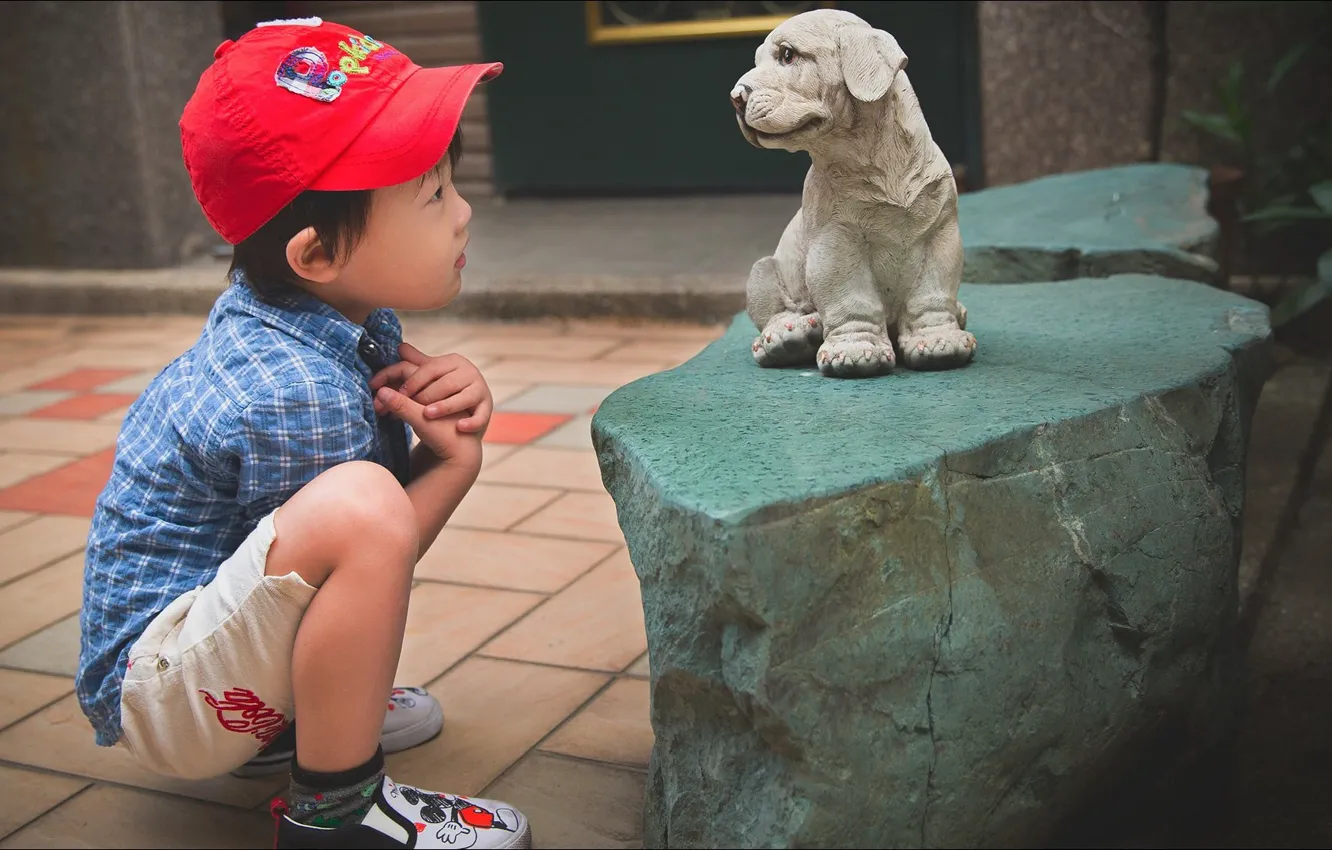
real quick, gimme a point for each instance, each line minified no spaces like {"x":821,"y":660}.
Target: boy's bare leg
{"x":351,"y":533}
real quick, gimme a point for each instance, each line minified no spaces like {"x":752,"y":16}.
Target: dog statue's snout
{"x":740,"y":97}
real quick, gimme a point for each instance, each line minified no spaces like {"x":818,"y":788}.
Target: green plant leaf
{"x":1322,"y":195}
{"x":1285,"y":64}
{"x":1303,"y":299}
{"x":1274,"y":212}
{"x":1217,"y":125}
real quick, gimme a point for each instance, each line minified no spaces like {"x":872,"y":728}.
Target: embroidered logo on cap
{"x":306,"y":72}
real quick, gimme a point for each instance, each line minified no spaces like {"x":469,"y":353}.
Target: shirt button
{"x":162,"y":664}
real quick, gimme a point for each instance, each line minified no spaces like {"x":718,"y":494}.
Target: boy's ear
{"x":307,"y":257}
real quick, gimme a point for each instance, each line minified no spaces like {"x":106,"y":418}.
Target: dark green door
{"x":568,"y":117}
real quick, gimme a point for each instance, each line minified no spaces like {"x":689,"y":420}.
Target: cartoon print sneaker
{"x":403,"y":816}
{"x":413,"y":717}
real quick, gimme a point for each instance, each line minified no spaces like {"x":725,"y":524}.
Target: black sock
{"x":334,"y":799}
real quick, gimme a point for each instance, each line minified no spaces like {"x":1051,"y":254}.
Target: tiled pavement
{"x":525,"y":622}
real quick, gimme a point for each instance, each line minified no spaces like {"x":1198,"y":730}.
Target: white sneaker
{"x":413,"y":717}
{"x":403,"y":816}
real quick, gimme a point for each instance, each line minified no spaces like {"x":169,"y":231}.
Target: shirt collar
{"x":316,"y":324}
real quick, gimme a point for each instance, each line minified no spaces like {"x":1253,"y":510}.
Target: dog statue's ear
{"x":871,"y":59}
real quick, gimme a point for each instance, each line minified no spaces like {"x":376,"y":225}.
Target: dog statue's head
{"x":807,"y":75}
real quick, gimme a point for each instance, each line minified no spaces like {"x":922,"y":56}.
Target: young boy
{"x":250,"y":559}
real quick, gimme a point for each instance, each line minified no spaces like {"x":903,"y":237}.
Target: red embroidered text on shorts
{"x":239,"y":710}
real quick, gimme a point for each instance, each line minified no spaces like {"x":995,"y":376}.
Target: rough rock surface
{"x":939,"y":609}
{"x":1138,"y":219}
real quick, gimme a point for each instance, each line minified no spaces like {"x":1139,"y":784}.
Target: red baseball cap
{"x":309,"y":104}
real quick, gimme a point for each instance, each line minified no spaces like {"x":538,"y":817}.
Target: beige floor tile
{"x":29,"y":795}
{"x":445,"y":622}
{"x":104,"y":816}
{"x":112,"y":357}
{"x":575,"y":804}
{"x":56,"y":436}
{"x":615,"y":727}
{"x":54,"y":650}
{"x":537,"y":345}
{"x":60,"y":739}
{"x":10,"y":519}
{"x":596,"y":623}
{"x":39,"y":599}
{"x":583,"y":516}
{"x":640,"y":667}
{"x":493,"y":454}
{"x":18,"y":466}
{"x":647,"y":329}
{"x":22,"y":693}
{"x":502,"y":391}
{"x":537,"y":467}
{"x":115,"y":417}
{"x":655,"y":351}
{"x":496,"y":507}
{"x":602,"y":372}
{"x":38,"y":543}
{"x":15,"y":379}
{"x":509,"y":560}
{"x":434,"y":337}
{"x":494,"y":712}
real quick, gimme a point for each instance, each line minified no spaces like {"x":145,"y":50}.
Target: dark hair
{"x":338,"y":218}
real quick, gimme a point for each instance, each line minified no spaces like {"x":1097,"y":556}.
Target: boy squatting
{"x":250,"y":558}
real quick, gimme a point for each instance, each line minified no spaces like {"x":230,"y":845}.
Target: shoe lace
{"x":277,"y":808}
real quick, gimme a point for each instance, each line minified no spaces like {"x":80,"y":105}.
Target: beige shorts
{"x":209,"y":681}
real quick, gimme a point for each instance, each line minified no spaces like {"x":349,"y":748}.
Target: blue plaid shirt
{"x":265,"y":400}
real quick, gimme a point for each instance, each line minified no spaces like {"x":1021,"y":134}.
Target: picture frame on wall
{"x":648,"y":21}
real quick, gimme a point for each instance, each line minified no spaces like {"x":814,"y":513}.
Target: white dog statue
{"x":874,"y":255}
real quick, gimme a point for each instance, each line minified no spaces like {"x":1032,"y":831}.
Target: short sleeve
{"x":282,"y":441}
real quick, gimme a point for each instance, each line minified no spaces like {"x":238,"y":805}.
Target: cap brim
{"x":410,"y":135}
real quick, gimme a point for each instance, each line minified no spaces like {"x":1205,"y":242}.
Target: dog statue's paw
{"x":859,"y":355}
{"x":938,"y":348}
{"x":790,"y":339}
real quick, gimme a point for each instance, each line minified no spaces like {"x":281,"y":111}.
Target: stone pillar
{"x":90,"y":163}
{"x":1065,"y":86}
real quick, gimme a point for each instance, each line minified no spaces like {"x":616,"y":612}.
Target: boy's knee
{"x":357,"y":503}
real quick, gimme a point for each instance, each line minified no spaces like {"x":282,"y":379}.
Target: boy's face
{"x":411,"y":254}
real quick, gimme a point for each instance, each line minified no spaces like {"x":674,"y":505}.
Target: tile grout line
{"x":548,"y":665}
{"x":88,"y":784}
{"x":614,"y":765}
{"x":477,"y":652}
{"x":44,"y":564}
{"x":547,"y":593}
{"x":610,"y":680}
{"x":481,"y":647}
{"x":39,"y":709}
{"x":143,"y":789}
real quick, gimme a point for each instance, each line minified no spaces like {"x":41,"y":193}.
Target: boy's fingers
{"x":411,"y":354}
{"x":394,"y":374}
{"x":447,"y":387}
{"x":465,"y":399}
{"x":479,"y":418}
{"x":423,"y":377}
{"x":401,"y":406}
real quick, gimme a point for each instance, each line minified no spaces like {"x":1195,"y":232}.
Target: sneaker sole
{"x":403,"y":739}
{"x":416,"y":734}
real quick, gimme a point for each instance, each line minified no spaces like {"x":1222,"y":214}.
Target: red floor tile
{"x":71,"y":490}
{"x":83,"y":380}
{"x":521,"y":428}
{"x":88,"y":406}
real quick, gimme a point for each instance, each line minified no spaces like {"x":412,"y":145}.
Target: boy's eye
{"x":439,"y":194}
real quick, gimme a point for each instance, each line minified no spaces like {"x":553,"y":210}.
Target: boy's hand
{"x":443,"y":386}
{"x":441,"y":436}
